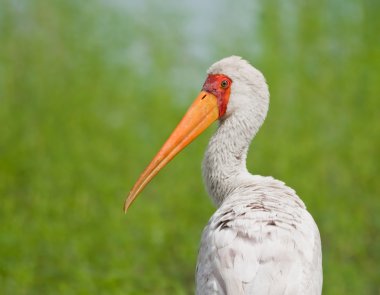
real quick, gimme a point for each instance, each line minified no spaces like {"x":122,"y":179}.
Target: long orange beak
{"x":199,"y":116}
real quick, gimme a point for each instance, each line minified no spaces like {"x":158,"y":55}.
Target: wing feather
{"x":253,"y":247}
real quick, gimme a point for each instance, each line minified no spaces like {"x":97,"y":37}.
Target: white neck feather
{"x":224,"y":165}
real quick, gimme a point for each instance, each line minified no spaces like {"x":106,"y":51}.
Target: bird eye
{"x":224,"y":84}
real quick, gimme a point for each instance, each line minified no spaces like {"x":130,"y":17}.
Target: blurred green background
{"x":89,"y":90}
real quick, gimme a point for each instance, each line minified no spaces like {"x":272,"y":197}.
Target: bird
{"x":261,"y":238}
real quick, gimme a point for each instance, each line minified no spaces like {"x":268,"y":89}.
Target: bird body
{"x":261,"y":240}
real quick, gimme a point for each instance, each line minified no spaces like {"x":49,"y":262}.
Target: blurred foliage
{"x":89,"y":90}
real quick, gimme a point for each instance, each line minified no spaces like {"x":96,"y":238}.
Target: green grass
{"x":89,"y":92}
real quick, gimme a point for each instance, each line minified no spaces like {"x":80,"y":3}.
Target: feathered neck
{"x":224,"y":164}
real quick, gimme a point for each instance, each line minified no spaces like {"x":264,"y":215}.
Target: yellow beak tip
{"x":199,"y":116}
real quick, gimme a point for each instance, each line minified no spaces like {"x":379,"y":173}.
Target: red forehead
{"x":220,"y":86}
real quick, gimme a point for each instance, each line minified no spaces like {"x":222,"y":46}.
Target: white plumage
{"x":261,"y":240}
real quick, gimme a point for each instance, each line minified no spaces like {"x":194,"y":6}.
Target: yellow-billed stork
{"x":261,"y":239}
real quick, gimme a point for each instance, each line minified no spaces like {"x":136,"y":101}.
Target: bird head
{"x":247,"y":90}
{"x":232,"y":86}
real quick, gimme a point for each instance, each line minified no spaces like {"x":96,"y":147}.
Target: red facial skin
{"x":220,"y":86}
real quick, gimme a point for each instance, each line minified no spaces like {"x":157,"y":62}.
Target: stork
{"x":261,"y":239}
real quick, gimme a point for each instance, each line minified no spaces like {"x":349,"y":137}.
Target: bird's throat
{"x":224,"y":165}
